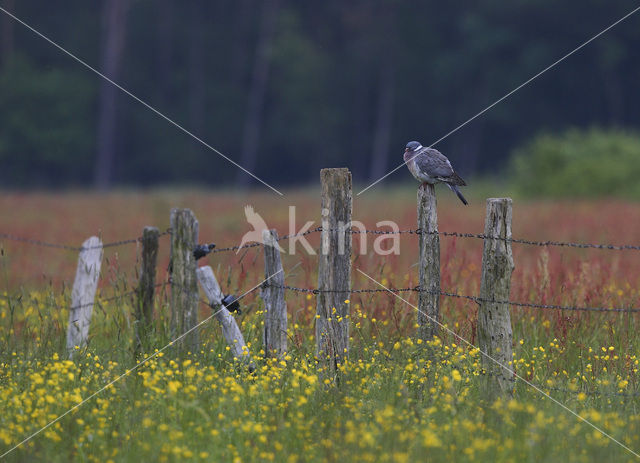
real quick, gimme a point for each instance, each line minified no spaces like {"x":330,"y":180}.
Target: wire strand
{"x":36,"y":242}
{"x":416,"y":231}
{"x":459,"y":296}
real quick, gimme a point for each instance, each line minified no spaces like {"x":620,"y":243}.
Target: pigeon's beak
{"x":406,"y":150}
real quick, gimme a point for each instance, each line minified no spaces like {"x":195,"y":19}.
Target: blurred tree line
{"x":578,"y":163}
{"x":285,"y":88}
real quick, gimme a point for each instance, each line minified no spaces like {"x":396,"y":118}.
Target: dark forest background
{"x":285,"y":88}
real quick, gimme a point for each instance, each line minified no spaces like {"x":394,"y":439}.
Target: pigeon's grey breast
{"x":434,"y":164}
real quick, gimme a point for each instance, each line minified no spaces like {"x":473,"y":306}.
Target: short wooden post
{"x":184,"y":285}
{"x":429,"y":242}
{"x":84,"y":293}
{"x":334,"y":269}
{"x":275,"y":321}
{"x":230,"y":330}
{"x":146,"y":285}
{"x":494,"y":322}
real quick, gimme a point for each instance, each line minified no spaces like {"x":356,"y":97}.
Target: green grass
{"x":395,"y":400}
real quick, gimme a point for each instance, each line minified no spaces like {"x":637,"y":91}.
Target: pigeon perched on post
{"x":429,"y":165}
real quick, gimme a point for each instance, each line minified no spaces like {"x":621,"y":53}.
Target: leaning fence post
{"x":429,"y":296}
{"x":334,"y":268}
{"x":146,"y":285}
{"x":275,"y":322}
{"x":494,"y":322}
{"x":230,"y":330}
{"x":84,"y":293}
{"x":184,"y":285}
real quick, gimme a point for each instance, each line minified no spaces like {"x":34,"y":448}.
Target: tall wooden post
{"x":429,"y":297}
{"x":230,"y":330}
{"x":184,"y":284}
{"x":84,"y":293}
{"x":334,"y":269}
{"x":494,"y":322}
{"x":275,"y":322}
{"x":146,"y":286}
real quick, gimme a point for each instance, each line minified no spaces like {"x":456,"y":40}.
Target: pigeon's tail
{"x":455,"y":189}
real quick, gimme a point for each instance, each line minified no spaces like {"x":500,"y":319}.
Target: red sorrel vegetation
{"x":548,"y":275}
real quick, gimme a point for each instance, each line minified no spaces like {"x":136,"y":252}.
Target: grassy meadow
{"x":399,"y":400}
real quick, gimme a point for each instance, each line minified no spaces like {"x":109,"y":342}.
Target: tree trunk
{"x":382,"y":132}
{"x":6,"y":25}
{"x":164,"y":51}
{"x":360,"y":109}
{"x":197,"y":94}
{"x":253,"y":119}
{"x":466,"y":144}
{"x":113,"y":39}
{"x":241,"y":33}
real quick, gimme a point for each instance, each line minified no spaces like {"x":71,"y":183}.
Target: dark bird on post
{"x":231,"y":303}
{"x":429,"y":165}
{"x":202,"y":250}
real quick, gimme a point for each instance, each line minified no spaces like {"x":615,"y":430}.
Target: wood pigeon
{"x":428,"y":165}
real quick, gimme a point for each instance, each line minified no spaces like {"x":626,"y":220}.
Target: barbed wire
{"x":611,"y":247}
{"x":76,"y":248}
{"x":256,"y":244}
{"x":318,"y":291}
{"x":96,"y":302}
{"x":133,"y":292}
{"x":456,"y":295}
{"x":208,"y":304}
{"x":39,"y":242}
{"x":533,"y":305}
{"x":417,"y":231}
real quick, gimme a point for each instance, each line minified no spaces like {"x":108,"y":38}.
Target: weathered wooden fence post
{"x":494,"y":322}
{"x":184,"y":284}
{"x":230,"y":330}
{"x":275,"y":320}
{"x":334,"y":268}
{"x":429,"y":242}
{"x":84,"y":293}
{"x":146,"y":285}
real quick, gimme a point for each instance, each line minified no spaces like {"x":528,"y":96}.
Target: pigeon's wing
{"x":434,"y":163}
